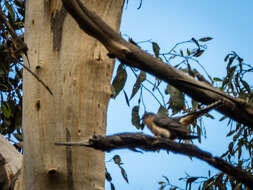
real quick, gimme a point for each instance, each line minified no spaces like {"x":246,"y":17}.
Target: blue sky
{"x":229,"y":22}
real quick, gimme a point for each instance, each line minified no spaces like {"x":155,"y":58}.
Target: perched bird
{"x":175,"y":127}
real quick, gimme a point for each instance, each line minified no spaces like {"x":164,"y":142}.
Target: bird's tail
{"x":186,"y":120}
{"x":188,"y":137}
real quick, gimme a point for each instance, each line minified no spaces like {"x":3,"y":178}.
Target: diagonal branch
{"x":133,"y":56}
{"x":133,"y":141}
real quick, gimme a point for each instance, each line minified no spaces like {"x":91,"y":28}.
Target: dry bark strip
{"x":135,"y":141}
{"x":10,"y":164}
{"x":133,"y":56}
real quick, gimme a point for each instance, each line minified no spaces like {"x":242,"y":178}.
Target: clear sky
{"x":229,"y":22}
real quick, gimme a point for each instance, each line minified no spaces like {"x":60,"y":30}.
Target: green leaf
{"x":108,"y":176}
{"x":117,"y":160}
{"x":124,"y":174}
{"x":156,"y":49}
{"x":217,"y":79}
{"x":230,"y":61}
{"x":188,"y":52}
{"x":10,"y":10}
{"x":237,"y":135}
{"x":231,"y":72}
{"x":177,"y":101}
{"x":224,"y":83}
{"x":18,"y":119}
{"x":205,"y":39}
{"x":6,"y":110}
{"x":160,"y":182}
{"x":239,"y":150}
{"x":119,"y":81}
{"x":126,"y":98}
{"x":231,"y":133}
{"x":112,"y":186}
{"x":19,"y":3}
{"x":240,"y":66}
{"x":191,"y":179}
{"x":18,"y":137}
{"x":167,"y":179}
{"x":181,"y":53}
{"x":230,"y":148}
{"x":190,"y":71}
{"x":226,"y":58}
{"x":194,"y":104}
{"x":199,"y":132}
{"x":236,"y":80}
{"x":136,"y":118}
{"x":238,"y":187}
{"x":239,"y":59}
{"x":246,"y":85}
{"x":198,"y":53}
{"x":162,"y":111}
{"x":208,"y":183}
{"x":162,"y":185}
{"x":167,"y":90}
{"x":137,"y":85}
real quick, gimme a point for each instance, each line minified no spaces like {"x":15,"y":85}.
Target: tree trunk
{"x":78,"y":72}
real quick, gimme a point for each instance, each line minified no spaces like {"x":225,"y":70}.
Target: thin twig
{"x":35,"y":76}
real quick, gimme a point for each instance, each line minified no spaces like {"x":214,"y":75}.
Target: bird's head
{"x":147,"y":116}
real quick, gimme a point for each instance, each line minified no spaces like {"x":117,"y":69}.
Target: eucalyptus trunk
{"x":78,"y":71}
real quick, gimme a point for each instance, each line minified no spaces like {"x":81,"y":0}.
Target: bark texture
{"x":78,"y":72}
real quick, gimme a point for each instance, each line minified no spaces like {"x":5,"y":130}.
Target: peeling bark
{"x":10,"y":164}
{"x":78,"y":72}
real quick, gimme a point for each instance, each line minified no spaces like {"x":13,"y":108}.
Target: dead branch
{"x":135,"y":141}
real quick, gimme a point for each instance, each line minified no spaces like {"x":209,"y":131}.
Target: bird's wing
{"x":170,"y":124}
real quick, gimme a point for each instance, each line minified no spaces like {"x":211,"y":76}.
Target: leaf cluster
{"x":11,"y":48}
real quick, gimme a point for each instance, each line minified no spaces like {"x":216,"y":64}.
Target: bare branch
{"x":133,"y":56}
{"x":135,"y":141}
